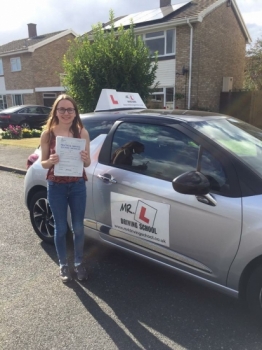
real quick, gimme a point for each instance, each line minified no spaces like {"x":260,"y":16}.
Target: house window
{"x":49,"y":98}
{"x":17,"y":100}
{"x":163,"y":42}
{"x":15,"y":64}
{"x":157,"y":98}
{"x":169,"y":94}
{"x":170,"y":42}
{"x":157,"y":95}
{"x":49,"y":95}
{"x":164,"y":96}
{"x":1,"y":67}
{"x":3,"y":104}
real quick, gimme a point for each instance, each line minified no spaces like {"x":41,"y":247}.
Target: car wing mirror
{"x":191,"y":182}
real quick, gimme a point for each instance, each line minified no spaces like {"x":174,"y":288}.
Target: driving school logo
{"x":148,"y":220}
{"x":144,"y":213}
{"x":130,"y":99}
{"x":115,"y":102}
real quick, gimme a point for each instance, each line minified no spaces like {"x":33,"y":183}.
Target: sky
{"x":80,"y":15}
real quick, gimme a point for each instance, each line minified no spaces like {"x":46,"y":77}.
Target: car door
{"x":42,"y":114}
{"x":136,"y":207}
{"x":25,"y":115}
{"x":37,"y":116}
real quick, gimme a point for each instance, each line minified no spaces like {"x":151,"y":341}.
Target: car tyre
{"x":25,"y":125}
{"x":254,"y":292}
{"x":41,"y":217}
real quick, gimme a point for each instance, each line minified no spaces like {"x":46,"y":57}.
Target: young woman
{"x":64,"y":191}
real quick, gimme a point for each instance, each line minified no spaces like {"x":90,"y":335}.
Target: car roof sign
{"x":112,"y":100}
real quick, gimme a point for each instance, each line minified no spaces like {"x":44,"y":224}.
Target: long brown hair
{"x":52,"y":121}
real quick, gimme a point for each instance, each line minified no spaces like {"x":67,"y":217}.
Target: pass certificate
{"x":70,"y":163}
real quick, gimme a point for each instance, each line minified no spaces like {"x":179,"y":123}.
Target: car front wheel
{"x":254,"y":292}
{"x":42,"y":217}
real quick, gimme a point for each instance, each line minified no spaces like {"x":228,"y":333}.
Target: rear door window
{"x":46,"y":110}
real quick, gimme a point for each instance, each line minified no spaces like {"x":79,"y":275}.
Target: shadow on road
{"x":140,"y":304}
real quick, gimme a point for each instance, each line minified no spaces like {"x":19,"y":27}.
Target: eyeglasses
{"x":63,"y":110}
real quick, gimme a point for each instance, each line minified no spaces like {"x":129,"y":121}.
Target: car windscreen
{"x":241,"y":139}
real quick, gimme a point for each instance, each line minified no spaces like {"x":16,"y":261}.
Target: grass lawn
{"x":30,"y":142}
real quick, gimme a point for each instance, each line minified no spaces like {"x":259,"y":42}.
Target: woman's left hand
{"x":84,"y":157}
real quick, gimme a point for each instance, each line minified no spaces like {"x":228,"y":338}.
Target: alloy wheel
{"x":43,"y":218}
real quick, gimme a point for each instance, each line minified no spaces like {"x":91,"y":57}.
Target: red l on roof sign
{"x":112,"y":100}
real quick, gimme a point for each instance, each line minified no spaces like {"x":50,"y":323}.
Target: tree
{"x":253,"y":72}
{"x":110,"y":59}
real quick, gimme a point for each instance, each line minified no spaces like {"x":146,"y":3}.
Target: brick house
{"x":31,"y":69}
{"x":201,"y":48}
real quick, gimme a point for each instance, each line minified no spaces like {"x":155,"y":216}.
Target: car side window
{"x":154,"y":150}
{"x":96,"y":128}
{"x":38,"y":110}
{"x":214,"y":171}
{"x":46,"y":110}
{"x":24,"y":110}
{"x":33,"y":110}
{"x":161,"y":152}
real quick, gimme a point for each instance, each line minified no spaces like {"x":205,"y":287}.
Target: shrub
{"x":36,"y":133}
{"x":12,"y":132}
{"x":108,"y":59}
{"x":26,"y":133}
{"x":6,"y":135}
{"x":15,"y":132}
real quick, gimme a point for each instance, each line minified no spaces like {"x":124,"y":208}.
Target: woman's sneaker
{"x":81,"y":272}
{"x":65,"y":274}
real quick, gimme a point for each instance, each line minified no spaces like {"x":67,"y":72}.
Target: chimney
{"x":164,"y":3}
{"x":31,"y":30}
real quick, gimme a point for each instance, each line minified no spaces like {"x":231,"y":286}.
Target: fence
{"x":244,"y":105}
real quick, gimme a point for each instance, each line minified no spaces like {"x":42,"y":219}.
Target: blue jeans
{"x":60,"y":196}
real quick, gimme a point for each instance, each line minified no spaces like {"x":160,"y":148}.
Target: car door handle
{"x":107,"y":178}
{"x":207,"y":199}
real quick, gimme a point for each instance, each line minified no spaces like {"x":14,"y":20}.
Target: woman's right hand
{"x":54,"y":158}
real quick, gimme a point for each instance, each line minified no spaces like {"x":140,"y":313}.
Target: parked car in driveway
{"x":181,"y":188}
{"x":26,"y":116}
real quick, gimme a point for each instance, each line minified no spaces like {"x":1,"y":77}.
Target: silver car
{"x":181,"y":189}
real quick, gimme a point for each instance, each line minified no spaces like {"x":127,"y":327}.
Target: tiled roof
{"x":23,"y":44}
{"x":106,"y":23}
{"x":193,"y":9}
